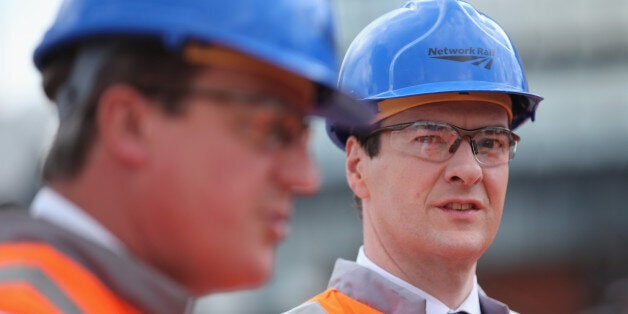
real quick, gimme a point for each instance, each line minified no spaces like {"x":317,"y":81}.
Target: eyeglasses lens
{"x":438,"y":142}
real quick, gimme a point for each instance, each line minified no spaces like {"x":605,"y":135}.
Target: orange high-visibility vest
{"x":48,"y":269}
{"x":354,"y":288}
{"x":37,"y":278}
{"x":336,"y":302}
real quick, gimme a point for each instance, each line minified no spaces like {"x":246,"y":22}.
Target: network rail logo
{"x":475,"y":55}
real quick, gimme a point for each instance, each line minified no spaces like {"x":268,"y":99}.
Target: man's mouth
{"x":460,"y":206}
{"x":279,"y":224}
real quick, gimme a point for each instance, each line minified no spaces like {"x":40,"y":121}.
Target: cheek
{"x":382,"y":179}
{"x":402,"y":184}
{"x":211,"y":180}
{"x":226,"y":186}
{"x":496,"y":183}
{"x":208,"y":200}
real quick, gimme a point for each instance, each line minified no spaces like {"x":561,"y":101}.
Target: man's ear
{"x":356,"y":160}
{"x":124,"y":122}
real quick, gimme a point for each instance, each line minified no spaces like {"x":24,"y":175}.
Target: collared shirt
{"x":470,"y":305}
{"x":54,"y":208}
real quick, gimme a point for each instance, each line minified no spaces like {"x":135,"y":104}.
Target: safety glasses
{"x":438,"y":141}
{"x":268,"y":121}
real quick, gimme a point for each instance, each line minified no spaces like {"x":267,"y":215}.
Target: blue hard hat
{"x":429,"y":47}
{"x":297,"y":36}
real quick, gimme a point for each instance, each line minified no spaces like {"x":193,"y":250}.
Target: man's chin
{"x":253,"y":275}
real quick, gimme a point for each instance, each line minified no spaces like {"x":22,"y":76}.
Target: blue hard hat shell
{"x":434,"y":46}
{"x":297,"y":36}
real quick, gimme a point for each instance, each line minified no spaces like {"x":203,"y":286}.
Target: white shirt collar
{"x":470,"y":305}
{"x":54,"y":208}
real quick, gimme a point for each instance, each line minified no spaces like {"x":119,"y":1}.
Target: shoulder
{"x":17,"y":224}
{"x":490,"y":305}
{"x":36,"y":277}
{"x":40,"y":264}
{"x":332,"y":301}
{"x":310,"y":307}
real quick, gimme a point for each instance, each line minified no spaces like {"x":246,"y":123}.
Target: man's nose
{"x":463,"y":166}
{"x":297,"y":171}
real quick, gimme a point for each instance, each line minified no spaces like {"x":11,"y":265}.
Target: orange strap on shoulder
{"x":336,"y":302}
{"x":37,"y":278}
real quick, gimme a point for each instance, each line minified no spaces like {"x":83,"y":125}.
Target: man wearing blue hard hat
{"x":430,"y":175}
{"x":182,"y":141}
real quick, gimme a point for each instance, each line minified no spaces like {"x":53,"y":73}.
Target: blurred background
{"x":563,"y":243}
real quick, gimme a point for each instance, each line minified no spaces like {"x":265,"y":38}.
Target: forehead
{"x":466,"y":114}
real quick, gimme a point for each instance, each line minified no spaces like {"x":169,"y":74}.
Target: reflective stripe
{"x":42,"y":283}
{"x":64,"y":275}
{"x":97,"y":280}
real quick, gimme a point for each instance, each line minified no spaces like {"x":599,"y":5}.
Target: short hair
{"x":371,"y":144}
{"x":142,"y":63}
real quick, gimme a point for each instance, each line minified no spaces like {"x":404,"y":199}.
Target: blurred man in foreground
{"x":182,"y":142}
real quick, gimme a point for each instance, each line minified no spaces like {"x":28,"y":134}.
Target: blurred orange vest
{"x":37,"y":278}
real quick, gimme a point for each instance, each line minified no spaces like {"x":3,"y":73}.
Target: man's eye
{"x":429,"y":139}
{"x":487,"y":143}
{"x":283,"y":132}
{"x":280,"y":135}
{"x":492,"y":143}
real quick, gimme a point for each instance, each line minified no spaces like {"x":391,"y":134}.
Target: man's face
{"x":408,"y":202}
{"x":222,"y":182}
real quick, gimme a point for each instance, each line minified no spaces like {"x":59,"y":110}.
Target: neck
{"x":448,"y":279}
{"x":97,"y":193}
